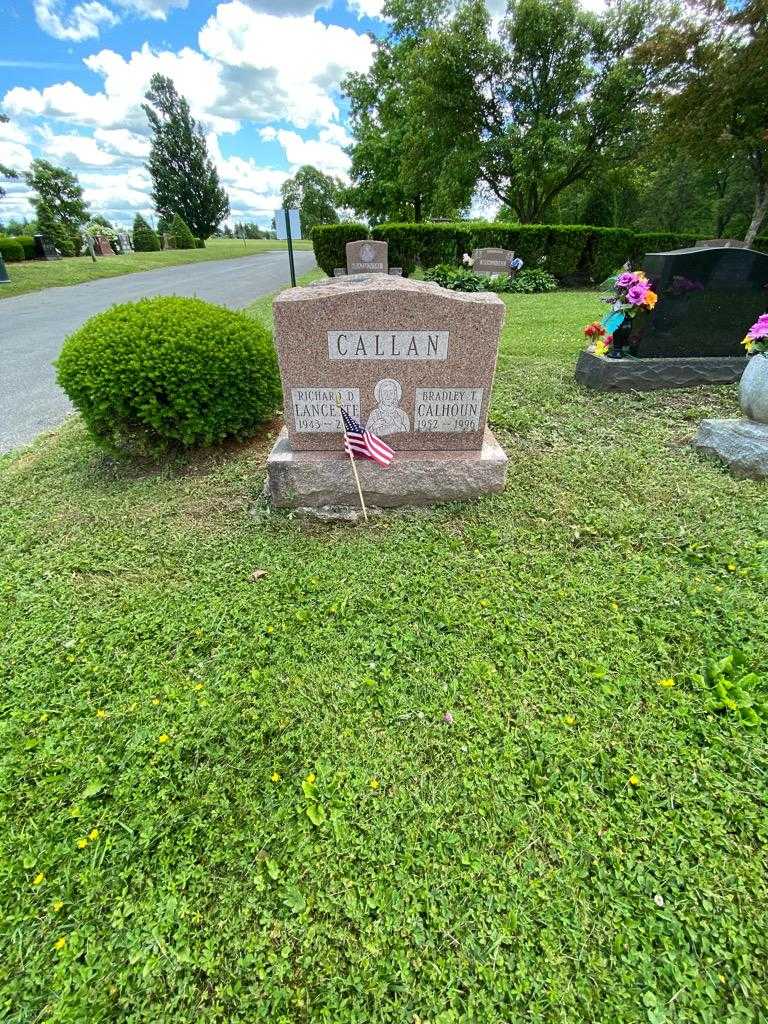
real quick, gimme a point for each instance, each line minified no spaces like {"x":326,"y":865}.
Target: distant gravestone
{"x":124,"y":241}
{"x":4,"y":279}
{"x":412,"y":361}
{"x":721,"y":243}
{"x":492,"y":261}
{"x":366,"y":257}
{"x":102,"y":246}
{"x":708,"y":297}
{"x":45,"y":249}
{"x":166,"y":241}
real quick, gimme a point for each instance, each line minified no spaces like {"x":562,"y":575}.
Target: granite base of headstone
{"x":367,"y":257}
{"x":45,"y":249}
{"x":741,"y":444}
{"x":339,"y":272}
{"x":4,"y":279}
{"x":415,"y":363}
{"x":395,"y":271}
{"x":627,"y":374}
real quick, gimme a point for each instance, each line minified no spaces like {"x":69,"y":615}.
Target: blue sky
{"x":262,"y":76}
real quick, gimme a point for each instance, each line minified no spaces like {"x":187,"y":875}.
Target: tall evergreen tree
{"x":185,"y":180}
{"x":59,"y":198}
{"x":144,"y":238}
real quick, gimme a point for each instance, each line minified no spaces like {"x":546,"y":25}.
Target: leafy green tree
{"x":181,"y":236}
{"x":51,"y":225}
{"x":144,"y":238}
{"x":397,"y":173}
{"x":6,"y":172}
{"x":315,"y":195}
{"x":526,"y":115}
{"x":716,"y":89}
{"x":60,"y":195}
{"x":185,"y":180}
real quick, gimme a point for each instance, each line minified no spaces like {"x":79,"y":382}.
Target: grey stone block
{"x":603,"y":374}
{"x":741,"y":444}
{"x":318,"y":478}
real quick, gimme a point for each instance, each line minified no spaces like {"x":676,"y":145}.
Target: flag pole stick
{"x":354,"y":467}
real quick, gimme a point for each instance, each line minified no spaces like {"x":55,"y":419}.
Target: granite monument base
{"x":314,"y":479}
{"x":628,"y":374}
{"x":741,"y":444}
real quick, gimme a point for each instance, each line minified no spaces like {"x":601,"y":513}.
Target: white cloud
{"x":83,"y":22}
{"x":326,"y":155}
{"x":288,"y":6}
{"x":82,"y":150}
{"x":14,"y":147}
{"x":291,"y":71}
{"x":128,"y":144}
{"x":157,"y":9}
{"x":368,"y":8}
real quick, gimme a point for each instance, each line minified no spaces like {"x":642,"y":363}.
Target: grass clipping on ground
{"x":445,"y":768}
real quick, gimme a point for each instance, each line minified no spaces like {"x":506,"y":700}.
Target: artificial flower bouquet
{"x":756,"y":339}
{"x":631,"y":294}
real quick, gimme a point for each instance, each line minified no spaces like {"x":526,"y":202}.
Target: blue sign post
{"x":288,"y":227}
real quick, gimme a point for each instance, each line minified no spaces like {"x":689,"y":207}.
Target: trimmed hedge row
{"x":571,"y":250}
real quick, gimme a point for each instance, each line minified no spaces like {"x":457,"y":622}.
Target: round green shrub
{"x":162,"y":374}
{"x":11,"y":250}
{"x":182,"y":236}
{"x":27,"y":243}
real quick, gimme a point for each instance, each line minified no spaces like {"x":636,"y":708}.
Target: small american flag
{"x":361,"y":442}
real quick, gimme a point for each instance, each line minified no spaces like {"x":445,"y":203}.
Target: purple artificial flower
{"x":626,"y":280}
{"x":637,"y":293}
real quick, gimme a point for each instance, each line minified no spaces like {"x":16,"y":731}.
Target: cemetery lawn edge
{"x":429,"y":770}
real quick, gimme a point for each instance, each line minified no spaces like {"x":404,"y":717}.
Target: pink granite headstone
{"x":102,"y":246}
{"x":413,"y":361}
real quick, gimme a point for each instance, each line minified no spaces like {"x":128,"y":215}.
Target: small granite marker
{"x":414,"y":362}
{"x":103,"y":248}
{"x":367,"y":257}
{"x":45,"y":249}
{"x":492,"y":261}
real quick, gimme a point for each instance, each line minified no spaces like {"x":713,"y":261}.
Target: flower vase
{"x":620,"y":338}
{"x":753,"y":391}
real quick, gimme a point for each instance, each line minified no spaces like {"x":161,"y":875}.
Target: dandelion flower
{"x":374,"y":783}
{"x":311,"y":778}
{"x":82,"y":843}
{"x":569,"y":720}
{"x":101,"y":713}
{"x":667,"y":683}
{"x":275,"y":776}
{"x":60,"y":943}
{"x":57,"y":905}
{"x":93,"y":834}
{"x":164,"y":738}
{"x":38,"y":879}
{"x":634,"y":780}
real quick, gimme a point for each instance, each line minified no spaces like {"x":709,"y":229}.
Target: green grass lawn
{"x":228,"y":790}
{"x":34,"y":275}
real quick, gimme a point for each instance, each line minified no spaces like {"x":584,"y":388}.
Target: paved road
{"x":33,"y":327}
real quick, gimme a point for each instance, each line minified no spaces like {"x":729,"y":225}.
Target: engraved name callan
{"x":432,"y":345}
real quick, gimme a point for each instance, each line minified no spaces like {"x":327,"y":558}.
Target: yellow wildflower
{"x":38,"y":879}
{"x":374,"y":783}
{"x":60,"y":943}
{"x":634,"y":780}
{"x":569,"y":720}
{"x":615,"y":606}
{"x":101,"y":713}
{"x":731,"y":567}
{"x":44,"y":717}
{"x":155,"y":700}
{"x":93,"y":835}
{"x":667,"y":682}
{"x":82,"y":843}
{"x":57,"y":905}
{"x":199,"y":687}
{"x":275,"y":776}
{"x":311,"y":777}
{"x":164,"y":738}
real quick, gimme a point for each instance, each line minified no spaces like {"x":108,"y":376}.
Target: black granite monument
{"x":45,"y":249}
{"x":708,"y":298}
{"x":4,"y":279}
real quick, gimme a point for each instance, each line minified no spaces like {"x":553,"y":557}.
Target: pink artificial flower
{"x":637,"y":293}
{"x":759,"y":329}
